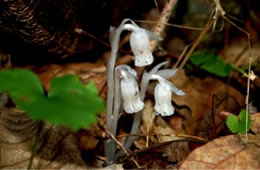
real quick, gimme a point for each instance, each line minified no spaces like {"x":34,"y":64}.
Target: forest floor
{"x":210,"y":47}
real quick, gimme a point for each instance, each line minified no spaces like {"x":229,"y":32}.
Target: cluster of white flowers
{"x":122,"y":83}
{"x":132,"y":103}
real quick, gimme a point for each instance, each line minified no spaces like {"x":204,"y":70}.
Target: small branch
{"x":219,"y":8}
{"x":170,"y":135}
{"x":171,"y":25}
{"x":202,"y":34}
{"x":164,"y":18}
{"x":159,"y":145}
{"x":81,"y":31}
{"x":248,"y":86}
{"x":181,"y":56}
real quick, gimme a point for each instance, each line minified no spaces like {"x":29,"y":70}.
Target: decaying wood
{"x":31,"y":20}
{"x":50,"y":24}
{"x":57,"y":147}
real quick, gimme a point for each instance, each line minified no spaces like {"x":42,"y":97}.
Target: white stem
{"x":137,"y":118}
{"x":117,"y":102}
{"x":130,"y":140}
{"x":109,"y":149}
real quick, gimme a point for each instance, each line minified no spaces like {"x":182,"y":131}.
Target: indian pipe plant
{"x":123,"y":88}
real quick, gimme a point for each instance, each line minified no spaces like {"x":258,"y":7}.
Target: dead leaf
{"x":88,"y":139}
{"x":228,"y":152}
{"x":146,"y":125}
{"x":238,"y":53}
{"x":152,"y":124}
{"x":255,"y":123}
{"x":198,"y":108}
{"x":176,"y":152}
{"x":86,"y":71}
{"x":57,"y":147}
{"x":162,"y":127}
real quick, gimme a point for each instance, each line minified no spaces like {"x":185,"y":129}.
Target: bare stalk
{"x":198,"y":40}
{"x":248,"y":85}
{"x":111,"y":119}
{"x":164,"y":18}
{"x":219,"y":8}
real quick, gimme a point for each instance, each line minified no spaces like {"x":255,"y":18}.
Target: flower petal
{"x":130,"y":93}
{"x":163,"y":97}
{"x":157,"y":67}
{"x":127,"y":68}
{"x":140,"y":45}
{"x":176,"y":90}
{"x":166,"y":73}
{"x":153,"y":36}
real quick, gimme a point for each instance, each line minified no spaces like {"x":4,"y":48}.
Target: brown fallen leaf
{"x":89,"y":139}
{"x":228,"y":152}
{"x":114,"y":166}
{"x":57,"y":147}
{"x":85,"y":70}
{"x":255,"y":123}
{"x":237,"y":53}
{"x":151,"y":124}
{"x":205,"y":99}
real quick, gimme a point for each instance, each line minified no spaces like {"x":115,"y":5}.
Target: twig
{"x":181,"y":56}
{"x":158,"y":145}
{"x":218,"y":7}
{"x":85,"y":33}
{"x":248,"y":86}
{"x":121,"y":146}
{"x":172,"y":25}
{"x":81,"y":31}
{"x":164,"y":17}
{"x":202,"y":34}
{"x":170,"y":135}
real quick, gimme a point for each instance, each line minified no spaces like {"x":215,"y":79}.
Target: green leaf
{"x":23,"y":86}
{"x":242,"y":123}
{"x":68,"y":103}
{"x":236,"y":125}
{"x":211,"y":63}
{"x":232,"y":123}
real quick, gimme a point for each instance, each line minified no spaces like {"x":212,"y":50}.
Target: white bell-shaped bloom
{"x":163,"y":98}
{"x":130,"y":93}
{"x":140,"y":45}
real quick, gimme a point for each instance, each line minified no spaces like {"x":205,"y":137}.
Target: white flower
{"x":140,"y":45}
{"x":130,"y":93}
{"x":163,"y":96}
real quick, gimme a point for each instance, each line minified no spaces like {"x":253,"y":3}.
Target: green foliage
{"x":211,"y":63}
{"x":68,"y":103}
{"x":236,"y":125}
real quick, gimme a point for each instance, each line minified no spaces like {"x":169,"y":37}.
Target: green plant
{"x":211,"y":63}
{"x":238,"y":124}
{"x":68,"y":102}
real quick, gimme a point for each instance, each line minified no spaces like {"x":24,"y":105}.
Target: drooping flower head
{"x":140,"y":45}
{"x":163,"y":96}
{"x":163,"y":90}
{"x":130,"y":91}
{"x":139,"y":41}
